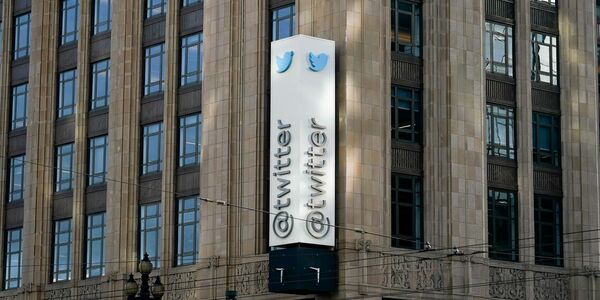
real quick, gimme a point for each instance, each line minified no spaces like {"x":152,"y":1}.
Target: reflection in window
{"x":502,"y":225}
{"x":550,"y":2}
{"x":155,"y":7}
{"x":190,"y":139}
{"x":500,"y":131}
{"x":69,"y":21}
{"x":190,"y":2}
{"x":67,"y":84}
{"x":191,"y":59}
{"x":102,"y":16}
{"x":152,"y":148}
{"x":546,"y":139}
{"x":188,"y":226}
{"x":97,"y":160}
{"x":22,"y":36}
{"x":100,"y":84}
{"x":16,"y":178}
{"x":13,"y":259}
{"x":548,"y":231}
{"x":544,"y":62}
{"x":150,"y":232}
{"x":95,"y":246}
{"x":64,"y":168}
{"x":406,"y":27}
{"x":406,"y":114}
{"x":154,"y":70}
{"x":407,"y":212}
{"x":61,"y":264}
{"x":498,"y":49}
{"x":282,"y":22}
{"x":19,"y":106}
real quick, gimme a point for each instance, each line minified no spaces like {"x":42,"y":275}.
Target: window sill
{"x":101,"y":35}
{"x":154,"y":19}
{"x":96,"y":187}
{"x":98,"y":111}
{"x":192,"y":7}
{"x":68,"y":46}
{"x":545,"y":86}
{"x":190,"y":87}
{"x":63,"y":194}
{"x":20,"y":61}
{"x":156,"y":96}
{"x":188,"y":169}
{"x":65,"y":119}
{"x":500,"y":77}
{"x":502,"y":161}
{"x":15,"y":204}
{"x":18,"y":132}
{"x":151,"y":176}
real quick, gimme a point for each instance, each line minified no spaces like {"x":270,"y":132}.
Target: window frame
{"x":183,"y":257}
{"x":144,"y":231}
{"x":101,"y":26}
{"x":149,"y":56}
{"x":56,"y":271}
{"x":21,"y":51}
{"x":415,"y":241}
{"x":59,"y":179}
{"x":66,"y":9}
{"x":511,"y":252}
{"x":150,"y":7}
{"x":64,"y":108}
{"x":276,"y":20}
{"x":554,"y":131}
{"x":183,"y":155}
{"x":491,"y":66}
{"x":186,"y":3}
{"x":96,"y":177}
{"x":416,"y":21}
{"x":13,"y":164}
{"x":536,"y":72}
{"x":186,"y":76}
{"x":415,"y":130}
{"x":19,"y":96}
{"x":556,"y":258}
{"x":146,"y":136}
{"x":90,"y":250}
{"x":492,"y":116}
{"x":8,"y":254}
{"x":101,"y":67}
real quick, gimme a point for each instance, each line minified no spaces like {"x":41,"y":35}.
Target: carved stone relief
{"x":252,"y":278}
{"x":507,"y":283}
{"x":549,"y":286}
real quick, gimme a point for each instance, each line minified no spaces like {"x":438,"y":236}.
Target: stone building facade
{"x":442,"y":51}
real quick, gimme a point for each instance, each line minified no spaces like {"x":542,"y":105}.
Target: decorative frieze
{"x":506,"y":283}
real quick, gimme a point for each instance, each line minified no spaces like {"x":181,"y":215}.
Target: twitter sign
{"x":302,"y":152}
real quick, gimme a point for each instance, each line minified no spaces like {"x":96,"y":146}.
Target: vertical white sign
{"x":302,"y":156}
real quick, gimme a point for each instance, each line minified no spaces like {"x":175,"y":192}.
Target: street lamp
{"x":131,"y":287}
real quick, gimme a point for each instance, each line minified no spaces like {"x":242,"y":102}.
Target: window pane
{"x":13,"y":259}
{"x":100,"y":84}
{"x":69,"y":19}
{"x":188,"y":223}
{"x":502,"y":225}
{"x":282,"y":25}
{"x":102,"y":16}
{"x":406,"y":27}
{"x":190,"y":131}
{"x":64,"y":167}
{"x":67,"y":91}
{"x":95,"y":245}
{"x":62,"y":251}
{"x":191,"y":59}
{"x":150,"y":232}
{"x":152,"y":148}
{"x":154,"y":71}
{"x":406,"y":114}
{"x":22,"y":36}
{"x":407,"y":225}
{"x":155,"y":7}
{"x":98,"y":149}
{"x":548,"y":231}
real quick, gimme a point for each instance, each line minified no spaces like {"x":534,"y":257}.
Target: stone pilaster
{"x":37,"y":223}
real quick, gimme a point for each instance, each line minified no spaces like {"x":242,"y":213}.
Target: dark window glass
{"x":19,"y":106}
{"x":501,"y":131}
{"x":546,"y":139}
{"x":152,"y":148}
{"x":544,"y":61}
{"x":155,"y":7}
{"x":22,"y":36}
{"x":188,"y":227}
{"x":67,"y":85}
{"x":154,"y":77}
{"x":13,"y":269}
{"x":191,"y":59}
{"x":61,"y":264}
{"x":407,"y":212}
{"x":100,"y":84}
{"x":150,"y":232}
{"x":102,"y":16}
{"x":406,"y":27}
{"x":282,"y":22}
{"x":98,"y":159}
{"x":64,"y":167}
{"x":189,"y":2}
{"x":190,"y":139}
{"x":69,"y":21}
{"x":548,"y":231}
{"x":406,"y":114}
{"x":16,"y":176}
{"x":95,"y":265}
{"x":498,"y":49}
{"x":502,"y":225}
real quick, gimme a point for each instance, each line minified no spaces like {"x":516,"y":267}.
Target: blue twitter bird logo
{"x":284,"y":63}
{"x":317,"y":62}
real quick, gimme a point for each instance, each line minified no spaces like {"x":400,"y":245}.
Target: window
{"x":188,"y":226}
{"x":66,"y":93}
{"x":190,"y":139}
{"x":406,"y":114}
{"x":100,"y":84}
{"x":150,"y":232}
{"x":19,"y":106}
{"x":548,"y":231}
{"x":498,"y":49}
{"x":95,"y":246}
{"x":550,"y":2}
{"x":22,"y":36}
{"x":69,"y":21}
{"x":16,"y":178}
{"x":102,"y":16}
{"x":407,"y":212}
{"x":191,"y":59}
{"x":501,"y":131}
{"x":155,"y":8}
{"x":152,"y":151}
{"x":97,"y":155}
{"x":502,"y":225}
{"x":13,"y":259}
{"x":64,"y":167}
{"x":406,"y":27}
{"x":190,"y":2}
{"x":283,"y":19}
{"x":61,"y":265}
{"x":546,"y":139}
{"x":154,"y":71}
{"x":544,"y":61}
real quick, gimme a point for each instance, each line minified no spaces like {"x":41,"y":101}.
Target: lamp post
{"x":143,"y":291}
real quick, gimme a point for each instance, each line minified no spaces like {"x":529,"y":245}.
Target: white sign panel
{"x":302,"y":164}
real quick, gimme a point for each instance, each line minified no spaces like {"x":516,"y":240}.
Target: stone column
{"x":39,"y":187}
